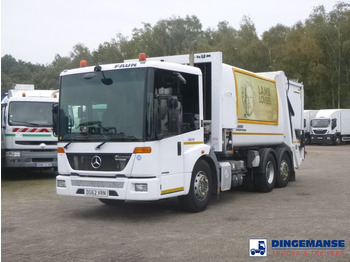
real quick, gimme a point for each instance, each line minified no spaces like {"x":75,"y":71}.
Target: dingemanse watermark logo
{"x":297,"y":247}
{"x":258,"y":247}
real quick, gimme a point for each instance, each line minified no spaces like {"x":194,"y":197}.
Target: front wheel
{"x":337,"y":140}
{"x":199,"y":194}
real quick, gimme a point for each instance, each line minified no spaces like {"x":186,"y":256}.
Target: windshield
{"x":108,"y":106}
{"x":136,"y":104}
{"x":30,"y":114}
{"x":320,"y":122}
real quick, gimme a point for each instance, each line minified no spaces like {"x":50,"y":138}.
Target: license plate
{"x":96,"y":192}
{"x":320,"y":138}
{"x":43,"y":164}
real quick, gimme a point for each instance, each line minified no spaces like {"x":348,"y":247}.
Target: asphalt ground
{"x":38,"y":225}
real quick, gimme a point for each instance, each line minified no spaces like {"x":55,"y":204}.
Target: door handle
{"x":179,"y":148}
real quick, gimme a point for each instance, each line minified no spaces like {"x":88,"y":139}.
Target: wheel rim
{"x":270,"y":172}
{"x":201,"y":186}
{"x":284,"y":170}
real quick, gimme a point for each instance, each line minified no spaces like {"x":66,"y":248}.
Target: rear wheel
{"x":284,"y":171}
{"x":199,"y":194}
{"x":265,"y":180}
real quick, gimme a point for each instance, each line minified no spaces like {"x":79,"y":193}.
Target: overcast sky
{"x":36,"y":30}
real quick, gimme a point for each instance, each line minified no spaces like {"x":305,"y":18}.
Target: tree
{"x":81,"y":52}
{"x":315,"y":52}
{"x":274,"y":41}
{"x":168,"y":36}
{"x":17,"y":72}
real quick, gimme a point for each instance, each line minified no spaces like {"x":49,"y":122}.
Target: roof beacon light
{"x":142,"y":57}
{"x":83,"y":63}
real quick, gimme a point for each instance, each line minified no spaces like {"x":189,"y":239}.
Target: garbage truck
{"x":331,"y":127}
{"x":157,"y":128}
{"x":27,"y":139}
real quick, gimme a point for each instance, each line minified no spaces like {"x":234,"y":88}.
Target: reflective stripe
{"x":259,"y":134}
{"x":193,"y":143}
{"x":32,"y":130}
{"x":173,"y":190}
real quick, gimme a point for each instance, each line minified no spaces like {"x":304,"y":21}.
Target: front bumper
{"x":37,"y":159}
{"x":108,"y":188}
{"x":322,"y":139}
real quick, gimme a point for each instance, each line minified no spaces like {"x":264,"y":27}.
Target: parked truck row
{"x":156,"y":128}
{"x":327,"y":126}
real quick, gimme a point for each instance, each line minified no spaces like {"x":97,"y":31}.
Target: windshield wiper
{"x":98,"y":147}
{"x":24,"y":123}
{"x":123,"y":138}
{"x":71,"y":141}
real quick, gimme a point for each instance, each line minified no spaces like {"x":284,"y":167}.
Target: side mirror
{"x":174,"y":115}
{"x":3,"y":116}
{"x":55,"y":118}
{"x":334,"y":123}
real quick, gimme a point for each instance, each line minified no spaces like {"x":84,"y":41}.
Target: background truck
{"x":157,"y":128}
{"x":26,"y":128}
{"x":331,"y":126}
{"x":308,"y":116}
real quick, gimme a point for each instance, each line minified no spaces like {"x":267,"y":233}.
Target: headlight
{"x":141,"y":187}
{"x":61,"y":183}
{"x":13,"y":154}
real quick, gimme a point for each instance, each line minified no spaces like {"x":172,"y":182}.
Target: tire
{"x":284,"y":170}
{"x":265,"y":180}
{"x":337,"y":140}
{"x":248,"y":181}
{"x":307,"y":140}
{"x":199,"y":194}
{"x":111,"y":202}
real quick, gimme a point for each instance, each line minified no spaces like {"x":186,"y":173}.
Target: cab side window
{"x":177,"y":102}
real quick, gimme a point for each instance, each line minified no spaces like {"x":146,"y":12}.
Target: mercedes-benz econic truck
{"x":27,"y":139}
{"x":158,"y":128}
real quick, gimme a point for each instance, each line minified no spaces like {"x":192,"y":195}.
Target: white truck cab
{"x":331,"y":126}
{"x":27,"y":139}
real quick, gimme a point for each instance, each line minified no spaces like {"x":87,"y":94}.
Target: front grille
{"x":42,"y":159}
{"x":320,"y":132}
{"x":106,"y":162}
{"x":82,"y":183}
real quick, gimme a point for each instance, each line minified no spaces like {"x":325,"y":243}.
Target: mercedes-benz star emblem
{"x":96,"y":162}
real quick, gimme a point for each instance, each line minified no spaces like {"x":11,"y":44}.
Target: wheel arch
{"x":214,"y":171}
{"x":263,"y":153}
